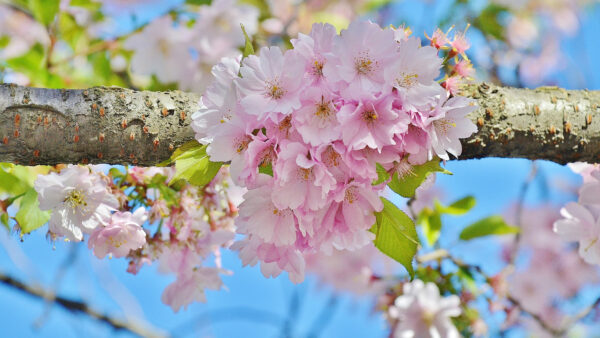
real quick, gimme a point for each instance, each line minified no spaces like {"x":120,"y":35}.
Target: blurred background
{"x":159,"y":45}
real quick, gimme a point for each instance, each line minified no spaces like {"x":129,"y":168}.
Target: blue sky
{"x":105,"y":284}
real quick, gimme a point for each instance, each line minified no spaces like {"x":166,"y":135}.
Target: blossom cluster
{"x":191,"y":223}
{"x":304,"y":129}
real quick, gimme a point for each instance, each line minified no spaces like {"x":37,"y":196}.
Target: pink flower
{"x":123,"y":234}
{"x":439,"y":39}
{"x":314,"y":49}
{"x":371,"y":122}
{"x":189,"y":287}
{"x":317,"y":120}
{"x":79,"y":200}
{"x":581,"y":224}
{"x":423,"y":313}
{"x":415,"y":67}
{"x":300,"y":181}
{"x":270,"y":83}
{"x":362,"y":55}
{"x":273,"y":259}
{"x":219,"y":102}
{"x":450,"y":125}
{"x":260,"y":217}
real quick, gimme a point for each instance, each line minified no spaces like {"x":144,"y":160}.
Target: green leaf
{"x":44,"y":11}
{"x":492,"y":225}
{"x":11,"y":184}
{"x":460,"y":207}
{"x":382,"y":174}
{"x":395,"y":235}
{"x":248,"y":49}
{"x":4,"y":221}
{"x":266,"y":169}
{"x":29,"y":216}
{"x":488,"y":21}
{"x":432,"y":226}
{"x":194,"y":166}
{"x":198,"y":2}
{"x":406,"y":186}
{"x":179,"y":151}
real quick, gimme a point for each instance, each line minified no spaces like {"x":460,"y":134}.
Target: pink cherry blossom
{"x":581,"y":224}
{"x":122,"y":234}
{"x":260,"y":217}
{"x":422,"y":312}
{"x":371,"y":122}
{"x":314,"y":49}
{"x":362,"y":55}
{"x":317,"y":120}
{"x":446,"y":129}
{"x":300,"y":181}
{"x":270,"y":83}
{"x":189,"y":287}
{"x":79,"y":200}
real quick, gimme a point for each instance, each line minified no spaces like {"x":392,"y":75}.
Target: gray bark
{"x":122,"y":126}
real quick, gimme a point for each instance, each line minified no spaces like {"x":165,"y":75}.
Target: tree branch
{"x":122,"y":126}
{"x":79,"y":307}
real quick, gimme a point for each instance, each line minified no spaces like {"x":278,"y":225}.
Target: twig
{"x":519,"y":213}
{"x":324,"y":317}
{"x":234,"y":313}
{"x":80,"y":307}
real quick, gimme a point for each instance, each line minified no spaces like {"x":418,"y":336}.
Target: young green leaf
{"x":382,"y":174}
{"x":395,"y":235}
{"x":405,"y":186}
{"x":194,"y":166}
{"x":492,"y":225}
{"x":44,"y":11}
{"x":29,"y":216}
{"x":266,"y":169}
{"x":248,"y":49}
{"x":432,"y":226}
{"x":5,"y":221}
{"x":460,"y":207}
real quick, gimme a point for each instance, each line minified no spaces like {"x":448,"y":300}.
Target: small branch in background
{"x":81,"y":308}
{"x":60,"y":274}
{"x":559,"y":332}
{"x":324,"y":317}
{"x":253,"y":315}
{"x":288,"y":324}
{"x":519,"y":214}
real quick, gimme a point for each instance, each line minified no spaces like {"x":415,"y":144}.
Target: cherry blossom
{"x":581,"y":224}
{"x":79,"y":200}
{"x":122,"y":234}
{"x":421,"y":312}
{"x":304,"y":129}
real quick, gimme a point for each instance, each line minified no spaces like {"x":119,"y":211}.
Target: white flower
{"x":581,"y":224}
{"x":78,"y":199}
{"x":423,"y":313}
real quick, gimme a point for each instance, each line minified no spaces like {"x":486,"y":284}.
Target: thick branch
{"x":122,"y":126}
{"x":547,"y":123}
{"x":79,"y":307}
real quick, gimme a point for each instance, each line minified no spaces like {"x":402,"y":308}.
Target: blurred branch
{"x":80,"y":307}
{"x":441,"y":254}
{"x":228,"y":314}
{"x":324,"y":317}
{"x":519,"y":214}
{"x":60,"y":274}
